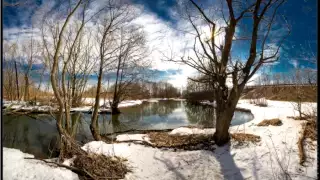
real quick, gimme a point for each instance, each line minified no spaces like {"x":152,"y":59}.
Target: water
{"x":38,"y":136}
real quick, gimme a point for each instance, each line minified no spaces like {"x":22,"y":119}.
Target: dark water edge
{"x":39,"y":136}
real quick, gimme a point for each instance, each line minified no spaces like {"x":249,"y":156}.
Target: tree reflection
{"x":200,"y":114}
{"x":28,"y":134}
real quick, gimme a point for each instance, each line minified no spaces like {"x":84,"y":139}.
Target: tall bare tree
{"x":130,"y":65}
{"x":216,"y":60}
{"x":115,"y":14}
{"x":56,"y":44}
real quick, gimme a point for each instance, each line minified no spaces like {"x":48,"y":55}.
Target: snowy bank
{"x":23,"y":106}
{"x":276,"y":151}
{"x":125,"y":103}
{"x":16,"y":167}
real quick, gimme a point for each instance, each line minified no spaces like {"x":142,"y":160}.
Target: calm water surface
{"x":37,"y":136}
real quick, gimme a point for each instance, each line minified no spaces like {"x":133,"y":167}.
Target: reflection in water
{"x":202,"y":115}
{"x":38,"y":136}
{"x":27,"y":134}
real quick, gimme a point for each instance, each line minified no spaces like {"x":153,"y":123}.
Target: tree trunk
{"x":222,"y":136}
{"x":114,"y":108}
{"x":26,"y":88}
{"x":224,"y":114}
{"x":94,"y":120}
{"x":17,"y":79}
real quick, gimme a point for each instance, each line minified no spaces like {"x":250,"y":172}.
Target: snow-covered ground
{"x":16,"y":167}
{"x":125,"y":103}
{"x":269,"y":159}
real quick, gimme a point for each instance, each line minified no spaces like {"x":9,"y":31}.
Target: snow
{"x":277,"y":152}
{"x":129,"y":103}
{"x":189,"y":131}
{"x":264,"y":160}
{"x":21,"y":105}
{"x":151,"y":100}
{"x":16,"y":167}
{"x":125,"y":103}
{"x":208,"y":103}
{"x":135,"y":137}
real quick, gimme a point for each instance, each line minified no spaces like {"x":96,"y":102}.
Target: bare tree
{"x":58,"y":41}
{"x":130,"y":66}
{"x":10,"y":72}
{"x":216,"y":60}
{"x":113,"y":17}
{"x":30,"y":51}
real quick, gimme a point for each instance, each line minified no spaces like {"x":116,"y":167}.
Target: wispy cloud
{"x":294,"y":63}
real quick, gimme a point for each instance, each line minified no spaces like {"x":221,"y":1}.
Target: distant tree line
{"x":139,"y":90}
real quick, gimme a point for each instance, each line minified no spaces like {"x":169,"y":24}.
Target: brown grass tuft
{"x":190,"y":142}
{"x":272,"y":122}
{"x":311,"y":130}
{"x":243,"y":137}
{"x":101,"y":167}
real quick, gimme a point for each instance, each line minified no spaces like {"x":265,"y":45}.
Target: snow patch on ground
{"x":21,"y":105}
{"x":134,"y":137}
{"x":125,"y":103}
{"x":16,"y":167}
{"x":151,"y":100}
{"x":189,"y":131}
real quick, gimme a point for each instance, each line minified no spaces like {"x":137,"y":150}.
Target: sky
{"x":159,"y":16}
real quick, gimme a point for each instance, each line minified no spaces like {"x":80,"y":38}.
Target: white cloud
{"x":294,"y":63}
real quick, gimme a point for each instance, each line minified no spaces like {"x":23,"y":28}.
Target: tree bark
{"x":94,"y":120}
{"x":26,"y":88}
{"x":114,"y":108}
{"x":224,"y":113}
{"x":17,"y":79}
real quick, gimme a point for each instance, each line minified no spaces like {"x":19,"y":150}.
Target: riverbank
{"x":21,"y":106}
{"x":274,"y":157}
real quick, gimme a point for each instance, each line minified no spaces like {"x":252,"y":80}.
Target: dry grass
{"x":90,"y":165}
{"x":283,"y":93}
{"x":272,"y":122}
{"x":243,"y":137}
{"x":311,"y":130}
{"x":101,"y":166}
{"x":187,"y":142}
{"x":297,"y":117}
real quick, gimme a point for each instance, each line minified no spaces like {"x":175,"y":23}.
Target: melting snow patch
{"x":16,"y":167}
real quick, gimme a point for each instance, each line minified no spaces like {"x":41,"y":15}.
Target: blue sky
{"x":301,"y":15}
